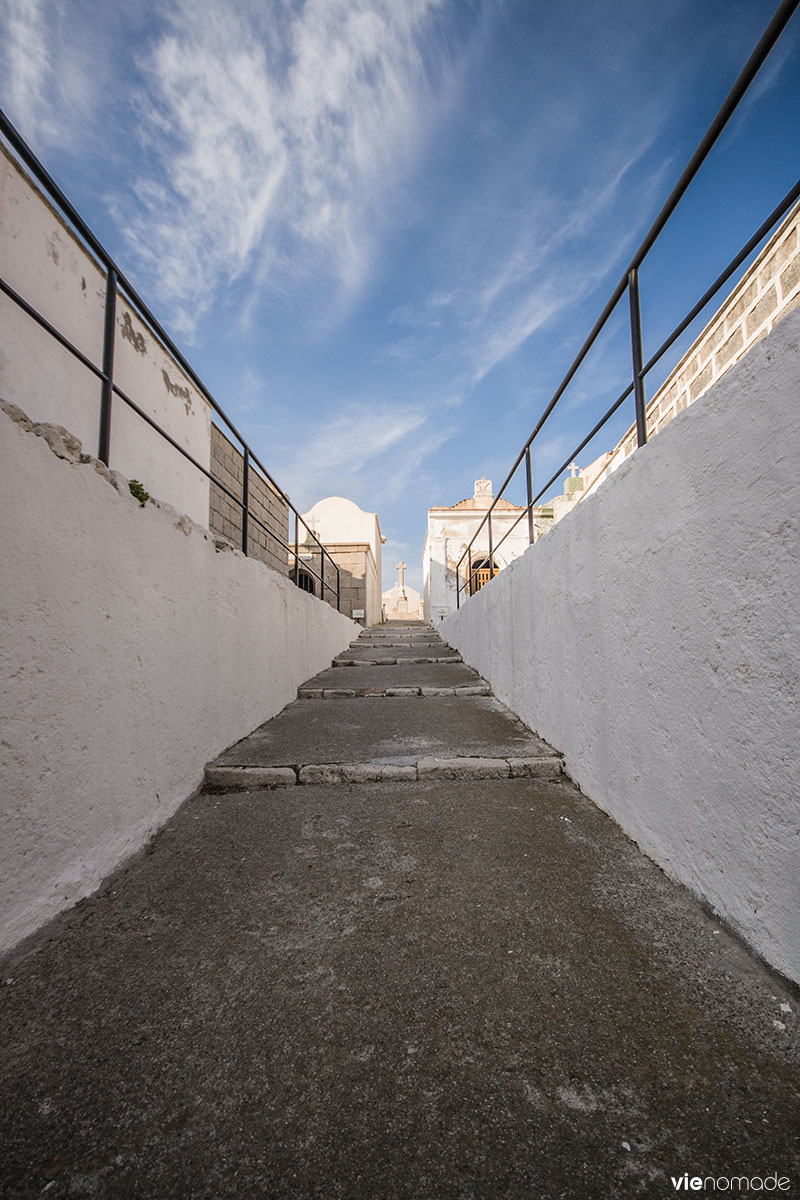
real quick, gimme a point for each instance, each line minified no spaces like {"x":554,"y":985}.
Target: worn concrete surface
{"x":399,"y":991}
{"x":396,"y":653}
{"x":387,"y":729}
{"x":393,"y":991}
{"x":401,"y":675}
{"x":417,"y":645}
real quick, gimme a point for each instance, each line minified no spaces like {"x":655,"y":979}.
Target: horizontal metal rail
{"x":630,"y":283}
{"x":118,"y":283}
{"x":22,"y":303}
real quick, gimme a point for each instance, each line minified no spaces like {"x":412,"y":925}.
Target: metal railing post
{"x":469,"y":564}
{"x":245,"y":496}
{"x":338,"y":590}
{"x":297,"y":549}
{"x":636,"y":352}
{"x":529,"y":485}
{"x":491,"y":548}
{"x":109,"y":329}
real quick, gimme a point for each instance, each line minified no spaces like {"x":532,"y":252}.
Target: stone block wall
{"x":351,"y":559}
{"x":358,"y":579}
{"x":225,"y":516}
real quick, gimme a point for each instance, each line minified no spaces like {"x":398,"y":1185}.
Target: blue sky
{"x":380,"y":229}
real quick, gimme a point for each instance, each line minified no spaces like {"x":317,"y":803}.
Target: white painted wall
{"x":449,"y":533}
{"x":338,"y":521}
{"x":654,"y":637}
{"x":131,"y":652}
{"x":51,"y":269}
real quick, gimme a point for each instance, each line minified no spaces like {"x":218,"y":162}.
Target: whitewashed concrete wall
{"x":449,"y":532}
{"x":654,"y":637}
{"x":50,"y":268}
{"x":131,"y":652}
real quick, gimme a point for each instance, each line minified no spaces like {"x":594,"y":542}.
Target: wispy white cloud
{"x":551,"y":257}
{"x":431,"y":315}
{"x":277,"y":154}
{"x":568,"y":263}
{"x":52,"y":71}
{"x":360,"y":439}
{"x":372,"y":453}
{"x":26,"y":61}
{"x":404,"y":476}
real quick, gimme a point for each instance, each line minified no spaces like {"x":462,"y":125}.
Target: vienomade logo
{"x":731,"y":1183}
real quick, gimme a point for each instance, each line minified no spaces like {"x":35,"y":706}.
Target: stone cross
{"x":401,"y":573}
{"x":574,"y":468}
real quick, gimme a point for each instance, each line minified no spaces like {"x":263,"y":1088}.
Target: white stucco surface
{"x":654,"y":637}
{"x":131,"y":652}
{"x":53,"y":271}
{"x":339,"y":522}
{"x":336,"y":519}
{"x":450,"y":530}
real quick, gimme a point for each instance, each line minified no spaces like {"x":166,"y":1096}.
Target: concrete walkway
{"x":426,"y":986}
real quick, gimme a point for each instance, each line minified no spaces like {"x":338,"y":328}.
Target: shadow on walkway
{"x":433,"y":988}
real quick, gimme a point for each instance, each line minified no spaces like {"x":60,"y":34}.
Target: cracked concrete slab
{"x":387,"y":729}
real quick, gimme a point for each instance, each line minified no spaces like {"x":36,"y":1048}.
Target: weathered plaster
{"x":342,"y":526}
{"x":53,"y":271}
{"x":131,"y":653}
{"x":654,"y":637}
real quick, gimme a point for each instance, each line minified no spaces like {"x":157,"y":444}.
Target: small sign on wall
{"x":358,"y":612}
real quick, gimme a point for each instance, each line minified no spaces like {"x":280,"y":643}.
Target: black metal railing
{"x":630,"y":283}
{"x":116,"y":285}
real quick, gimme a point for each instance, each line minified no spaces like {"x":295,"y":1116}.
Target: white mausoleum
{"x":449,"y":531}
{"x":353,"y":539}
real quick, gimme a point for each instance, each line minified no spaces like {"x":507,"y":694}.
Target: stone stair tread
{"x":227,"y":778}
{"x":395,"y":653}
{"x":396,"y":730}
{"x":388,"y":662}
{"x":402,"y":674}
{"x":339,"y":693}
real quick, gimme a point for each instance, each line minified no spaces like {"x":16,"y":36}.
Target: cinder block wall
{"x":225,"y":516}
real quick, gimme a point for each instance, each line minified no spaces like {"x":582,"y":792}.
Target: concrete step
{"x":238,"y":779}
{"x":399,"y":631}
{"x":377,"y":679}
{"x":338,"y":693}
{"x":375,"y":643}
{"x":398,"y":641}
{"x":381,"y":660}
{"x":357,"y":653}
{"x":357,"y":739}
{"x":399,"y":636}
